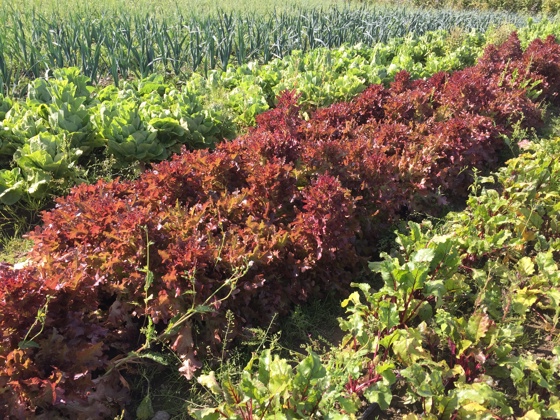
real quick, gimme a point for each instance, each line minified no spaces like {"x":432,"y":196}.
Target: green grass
{"x":14,"y":249}
{"x":313,"y":325}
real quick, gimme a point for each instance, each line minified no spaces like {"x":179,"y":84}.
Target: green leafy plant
{"x":273,"y":388}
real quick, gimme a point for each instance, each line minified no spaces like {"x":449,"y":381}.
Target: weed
{"x":14,"y":250}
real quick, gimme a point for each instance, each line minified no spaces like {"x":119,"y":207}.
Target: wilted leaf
{"x":526,"y":266}
{"x":184,"y":342}
{"x":190,"y":365}
{"x":523,"y":299}
{"x":478,"y":325}
{"x":210,"y":382}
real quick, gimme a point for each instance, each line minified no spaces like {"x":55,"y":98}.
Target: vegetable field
{"x":121,"y":45}
{"x":184,"y":180}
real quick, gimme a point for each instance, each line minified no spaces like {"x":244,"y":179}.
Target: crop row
{"x":66,"y":132}
{"x":286,"y":212}
{"x":120,"y":45}
{"x":64,"y":128}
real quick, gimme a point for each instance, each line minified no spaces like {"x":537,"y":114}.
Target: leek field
{"x":110,"y":42}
